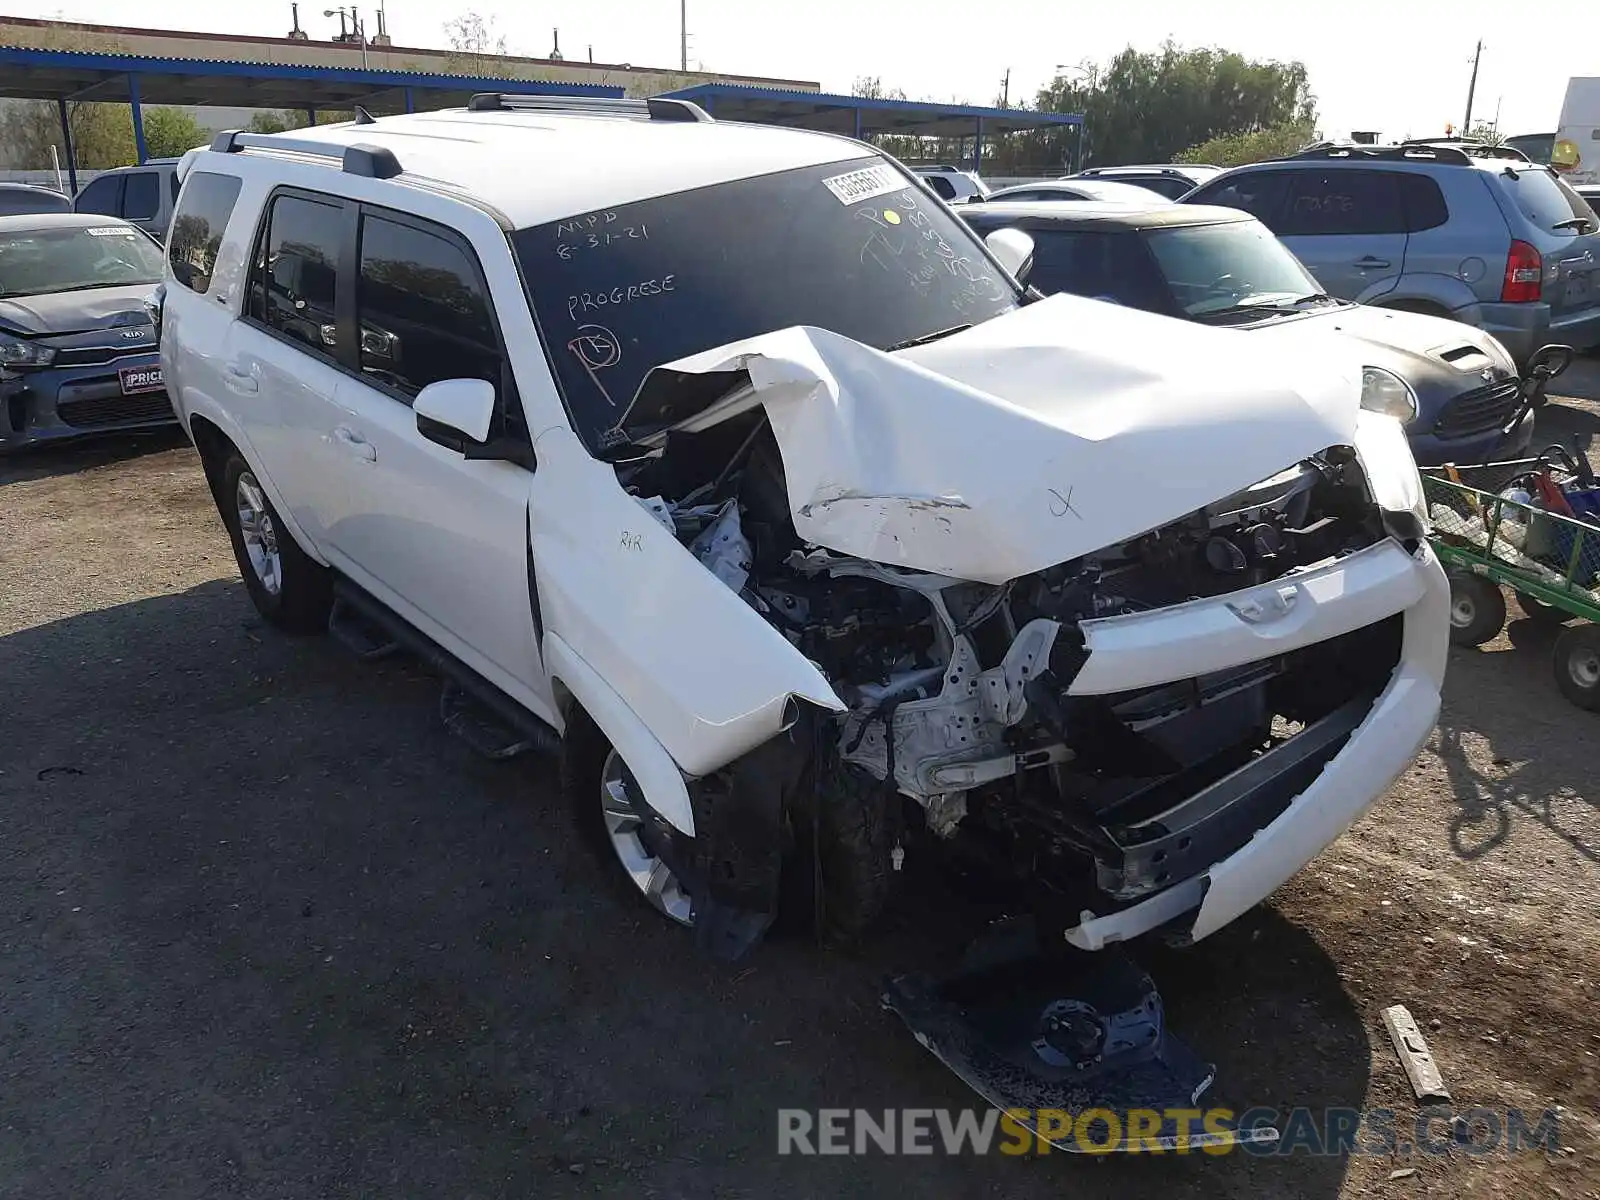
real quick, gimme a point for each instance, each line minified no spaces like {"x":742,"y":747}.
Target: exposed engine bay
{"x":961,"y":695}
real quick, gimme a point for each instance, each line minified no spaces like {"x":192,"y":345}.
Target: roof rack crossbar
{"x":657,"y":108}
{"x":374,"y":162}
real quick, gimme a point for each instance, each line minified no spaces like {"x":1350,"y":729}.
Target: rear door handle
{"x":239,"y":379}
{"x":353,"y":443}
{"x":1371,"y":263}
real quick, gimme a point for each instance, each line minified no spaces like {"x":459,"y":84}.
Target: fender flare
{"x":658,"y":776}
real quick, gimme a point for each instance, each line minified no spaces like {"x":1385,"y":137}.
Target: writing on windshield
{"x":854,"y":247}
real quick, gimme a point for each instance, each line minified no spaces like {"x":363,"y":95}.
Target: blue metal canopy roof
{"x":863,"y":116}
{"x":34,"y":74}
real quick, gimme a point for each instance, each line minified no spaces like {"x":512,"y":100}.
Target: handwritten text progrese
{"x":586,"y":302}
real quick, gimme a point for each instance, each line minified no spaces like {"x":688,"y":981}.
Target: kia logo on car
{"x":135,"y":335}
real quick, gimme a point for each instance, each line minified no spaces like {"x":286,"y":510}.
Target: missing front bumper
{"x":1073,"y":1047}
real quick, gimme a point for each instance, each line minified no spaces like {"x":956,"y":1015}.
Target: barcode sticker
{"x":112,"y":231}
{"x":866,"y":183}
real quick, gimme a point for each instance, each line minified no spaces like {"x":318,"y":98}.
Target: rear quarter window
{"x":196,"y":234}
{"x":1341,"y":202}
{"x":1423,"y":203}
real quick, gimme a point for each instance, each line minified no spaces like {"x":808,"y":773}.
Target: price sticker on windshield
{"x":856,"y":186}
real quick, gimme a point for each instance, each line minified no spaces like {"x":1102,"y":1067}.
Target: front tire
{"x":287,"y":586}
{"x":1477,"y":609}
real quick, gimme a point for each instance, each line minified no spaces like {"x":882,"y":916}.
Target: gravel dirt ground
{"x":267,"y":930}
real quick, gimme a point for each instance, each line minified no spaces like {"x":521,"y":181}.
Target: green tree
{"x":1236,"y":149}
{"x":102,"y":134}
{"x":168,"y":132}
{"x":1146,"y":107}
{"x":1485,"y":132}
{"x":283,"y":120}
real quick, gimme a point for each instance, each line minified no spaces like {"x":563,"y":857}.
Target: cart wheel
{"x":1578,"y":665}
{"x":1537,"y":610}
{"x":1477,"y":609}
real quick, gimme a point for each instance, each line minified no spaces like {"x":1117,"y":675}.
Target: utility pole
{"x":1005,"y":90}
{"x":683,"y":35}
{"x":1466,"y":126}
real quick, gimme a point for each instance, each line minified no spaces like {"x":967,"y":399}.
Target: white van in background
{"x":1576,"y":152}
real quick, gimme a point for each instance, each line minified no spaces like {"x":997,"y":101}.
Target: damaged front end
{"x":1132,"y":646}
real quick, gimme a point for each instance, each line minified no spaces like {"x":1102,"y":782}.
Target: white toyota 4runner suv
{"x":725,"y":462}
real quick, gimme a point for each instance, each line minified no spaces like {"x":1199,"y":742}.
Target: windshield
{"x":1214,"y":267}
{"x":35,"y":262}
{"x":852,"y":247}
{"x":1547,"y":201}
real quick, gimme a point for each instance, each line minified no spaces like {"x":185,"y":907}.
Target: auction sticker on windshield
{"x":856,"y":186}
{"x":112,"y":231}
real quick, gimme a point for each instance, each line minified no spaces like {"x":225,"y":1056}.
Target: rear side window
{"x":941,"y":186}
{"x":294,"y":272}
{"x":423,"y":309}
{"x":1161,"y":185}
{"x":1423,"y":203}
{"x":1543,"y":199}
{"x":196,"y":233}
{"x":1101,"y":266}
{"x":102,"y":195}
{"x":1331,"y":203}
{"x":17,"y":202}
{"x":1259,"y":193}
{"x":141,"y":198}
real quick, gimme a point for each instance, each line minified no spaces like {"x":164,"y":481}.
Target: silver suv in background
{"x":143,"y":195}
{"x":1482,"y":236}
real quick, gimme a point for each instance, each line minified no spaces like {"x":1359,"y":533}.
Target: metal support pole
{"x":72,"y":154}
{"x":977,"y":149}
{"x":311,"y":116}
{"x":138,"y":119}
{"x":411,"y":102}
{"x":857,"y":113}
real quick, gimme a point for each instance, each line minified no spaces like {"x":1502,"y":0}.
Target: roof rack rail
{"x":657,"y":108}
{"x":1429,"y":152}
{"x":374,"y":162}
{"x":1158,"y":170}
{"x":1471,"y":147}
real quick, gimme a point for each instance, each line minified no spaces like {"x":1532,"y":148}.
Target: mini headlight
{"x":17,"y":353}
{"x":1385,"y":392}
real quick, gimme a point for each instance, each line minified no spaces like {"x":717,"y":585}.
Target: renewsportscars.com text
{"x":1333,"y":1131}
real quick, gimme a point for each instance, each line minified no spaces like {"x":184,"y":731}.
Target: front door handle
{"x":1369,"y":263}
{"x":356,"y":445}
{"x":239,"y":379}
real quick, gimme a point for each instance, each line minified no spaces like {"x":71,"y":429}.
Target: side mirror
{"x":454,"y":412}
{"x":1014,"y":249}
{"x":458,"y":414}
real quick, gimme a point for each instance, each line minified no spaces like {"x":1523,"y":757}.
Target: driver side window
{"x":294,"y":274}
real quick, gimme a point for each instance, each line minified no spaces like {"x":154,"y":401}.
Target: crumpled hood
{"x":1430,"y":353}
{"x":1051,"y":432}
{"x":74,"y":312}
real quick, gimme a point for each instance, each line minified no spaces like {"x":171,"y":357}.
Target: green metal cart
{"x":1488,"y":540}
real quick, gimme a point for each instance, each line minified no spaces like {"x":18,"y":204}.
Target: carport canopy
{"x":864,"y":116}
{"x":70,"y":75}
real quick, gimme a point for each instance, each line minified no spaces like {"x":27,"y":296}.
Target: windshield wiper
{"x":928,"y":337}
{"x":1578,"y":223}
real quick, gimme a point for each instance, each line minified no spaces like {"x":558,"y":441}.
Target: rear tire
{"x":288,"y":587}
{"x":1577,"y":664}
{"x":1477,"y":609}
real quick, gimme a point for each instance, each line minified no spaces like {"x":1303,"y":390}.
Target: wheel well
{"x":1426,"y":307}
{"x":214,"y":447}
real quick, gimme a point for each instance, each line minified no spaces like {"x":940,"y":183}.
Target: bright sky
{"x":1397,"y":66}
